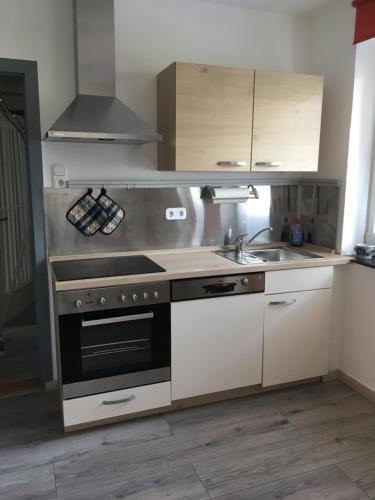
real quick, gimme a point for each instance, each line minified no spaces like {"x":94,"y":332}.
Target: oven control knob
{"x":102,"y":301}
{"x":245,"y":281}
{"x":145,"y":295}
{"x":135,"y":297}
{"x":123,"y":298}
{"x":78,"y":303}
{"x":155,"y":294}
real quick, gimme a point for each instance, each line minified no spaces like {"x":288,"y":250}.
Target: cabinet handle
{"x":268,"y":164}
{"x":232,"y":163}
{"x":282,"y":302}
{"x":119,"y":401}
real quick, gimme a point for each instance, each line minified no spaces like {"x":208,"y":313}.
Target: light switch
{"x":59,"y":176}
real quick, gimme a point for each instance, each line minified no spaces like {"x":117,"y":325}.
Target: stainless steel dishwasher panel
{"x":198,"y":288}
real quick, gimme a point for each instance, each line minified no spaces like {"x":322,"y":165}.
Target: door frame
{"x":29,"y":70}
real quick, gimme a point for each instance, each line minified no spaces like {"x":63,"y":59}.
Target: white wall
{"x":358,"y":341}
{"x":150,"y":34}
{"x":361,"y":147}
{"x":42,"y":31}
{"x":332,"y":54}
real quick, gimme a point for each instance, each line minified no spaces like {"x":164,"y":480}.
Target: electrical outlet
{"x":59,"y":176}
{"x":178,"y":213}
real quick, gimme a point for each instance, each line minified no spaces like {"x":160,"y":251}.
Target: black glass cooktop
{"x":104,"y":267}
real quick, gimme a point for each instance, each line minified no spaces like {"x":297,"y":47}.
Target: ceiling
{"x":288,"y":6}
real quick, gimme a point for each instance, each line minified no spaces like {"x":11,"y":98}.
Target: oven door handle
{"x":118,"y":319}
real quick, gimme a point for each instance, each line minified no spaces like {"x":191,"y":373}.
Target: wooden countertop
{"x":194,"y":263}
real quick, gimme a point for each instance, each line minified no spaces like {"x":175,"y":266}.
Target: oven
{"x":114,"y":338}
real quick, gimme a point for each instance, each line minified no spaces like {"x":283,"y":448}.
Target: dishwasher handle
{"x":220,"y":287}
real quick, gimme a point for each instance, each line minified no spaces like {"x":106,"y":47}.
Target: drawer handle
{"x":119,"y":401}
{"x":268,"y":164}
{"x":232,"y":163}
{"x":282,"y":302}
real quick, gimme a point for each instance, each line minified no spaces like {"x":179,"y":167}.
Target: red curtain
{"x":365,"y":20}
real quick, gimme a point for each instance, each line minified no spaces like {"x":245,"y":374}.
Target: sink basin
{"x":280,"y":254}
{"x":244,"y":258}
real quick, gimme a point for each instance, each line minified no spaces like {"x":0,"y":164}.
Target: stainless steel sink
{"x":278,"y":254}
{"x":244,"y":258}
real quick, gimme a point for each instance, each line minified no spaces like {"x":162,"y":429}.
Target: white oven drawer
{"x":116,"y":403}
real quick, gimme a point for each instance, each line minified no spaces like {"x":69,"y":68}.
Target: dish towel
{"x":87,"y":215}
{"x":114,"y":213}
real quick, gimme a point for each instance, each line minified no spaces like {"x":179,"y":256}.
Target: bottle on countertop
{"x":285,"y":230}
{"x":311,"y":234}
{"x":298,"y":233}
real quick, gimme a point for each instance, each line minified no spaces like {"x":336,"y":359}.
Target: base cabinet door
{"x":296,"y":336}
{"x":216,"y":344}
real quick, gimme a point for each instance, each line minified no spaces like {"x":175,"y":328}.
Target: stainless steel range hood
{"x":96,"y":115}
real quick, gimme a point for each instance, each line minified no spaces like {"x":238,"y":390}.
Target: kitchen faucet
{"x":240,"y":244}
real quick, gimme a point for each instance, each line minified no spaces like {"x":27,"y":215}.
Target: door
{"x":216,"y":344}
{"x":296,"y":336}
{"x":106,"y":344}
{"x":213,"y":118}
{"x":287,"y":119}
{"x":18,"y":99}
{"x":18,"y":331}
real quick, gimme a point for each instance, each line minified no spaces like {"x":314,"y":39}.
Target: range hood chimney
{"x":96,"y":115}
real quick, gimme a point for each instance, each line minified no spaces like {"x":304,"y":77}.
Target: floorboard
{"x":181,"y":483}
{"x":28,"y":483}
{"x":362,"y":472}
{"x":329,"y":482}
{"x":305,"y":443}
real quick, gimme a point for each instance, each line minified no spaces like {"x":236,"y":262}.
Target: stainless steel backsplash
{"x":145,"y":226}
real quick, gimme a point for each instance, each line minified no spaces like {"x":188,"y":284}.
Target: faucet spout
{"x":257,"y":234}
{"x":241,"y":244}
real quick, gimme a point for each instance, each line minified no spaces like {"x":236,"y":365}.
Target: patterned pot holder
{"x":114,"y":213}
{"x":87,"y":215}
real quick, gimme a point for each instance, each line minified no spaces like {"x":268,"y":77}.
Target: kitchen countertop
{"x":365,"y":262}
{"x":195,"y":263}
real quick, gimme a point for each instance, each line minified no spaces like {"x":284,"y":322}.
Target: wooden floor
{"x":311,"y":442}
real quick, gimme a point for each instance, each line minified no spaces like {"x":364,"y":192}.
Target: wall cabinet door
{"x":205,"y":118}
{"x":296,"y":336}
{"x":287,"y":120}
{"x":216,"y":344}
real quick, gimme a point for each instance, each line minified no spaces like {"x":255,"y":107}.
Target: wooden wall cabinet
{"x":205,"y":118}
{"x":214,"y":118}
{"x":287,"y":119}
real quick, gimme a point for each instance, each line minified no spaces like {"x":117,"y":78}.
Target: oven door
{"x":110,"y":350}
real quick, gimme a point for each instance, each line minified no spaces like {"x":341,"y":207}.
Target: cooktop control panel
{"x":114,"y":297}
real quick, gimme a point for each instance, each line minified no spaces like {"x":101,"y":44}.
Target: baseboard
{"x":357,"y":386}
{"x":332,"y":375}
{"x":18,"y":387}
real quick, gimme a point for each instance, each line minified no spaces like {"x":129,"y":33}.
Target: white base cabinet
{"x":296,"y":336}
{"x":216,"y":344}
